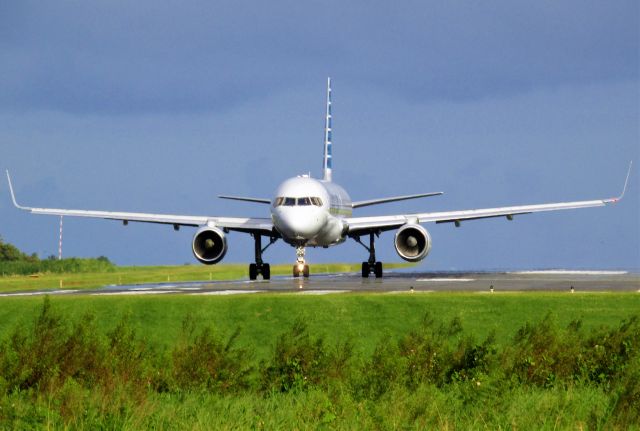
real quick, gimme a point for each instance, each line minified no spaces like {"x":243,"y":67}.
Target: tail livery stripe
{"x":327,"y":165}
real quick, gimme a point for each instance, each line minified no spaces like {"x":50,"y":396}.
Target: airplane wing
{"x":240,"y":224}
{"x":364,"y":225}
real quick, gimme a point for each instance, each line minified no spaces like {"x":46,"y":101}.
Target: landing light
{"x":300,"y":267}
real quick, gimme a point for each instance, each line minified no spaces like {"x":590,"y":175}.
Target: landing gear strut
{"x":371,"y":266}
{"x":300,"y":268}
{"x":260,"y":267}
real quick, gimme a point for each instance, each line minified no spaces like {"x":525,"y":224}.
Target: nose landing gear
{"x":371,"y":266}
{"x":300,"y":268}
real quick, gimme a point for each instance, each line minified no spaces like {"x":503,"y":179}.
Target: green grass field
{"x":138,"y":386}
{"x":365,"y":318}
{"x":127,"y":275}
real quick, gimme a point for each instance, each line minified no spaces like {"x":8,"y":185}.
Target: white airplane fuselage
{"x":309,"y":212}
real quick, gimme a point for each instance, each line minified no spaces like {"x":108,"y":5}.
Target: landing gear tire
{"x":297,"y":271}
{"x":365,"y":269}
{"x":255,"y":270}
{"x":377,"y":269}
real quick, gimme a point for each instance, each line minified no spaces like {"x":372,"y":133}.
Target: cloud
{"x":154,"y":57}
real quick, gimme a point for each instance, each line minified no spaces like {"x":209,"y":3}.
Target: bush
{"x":15,"y":262}
{"x":607,"y":352}
{"x":300,"y":362}
{"x":202,"y":360}
{"x":380,"y":373}
{"x":430,"y":355}
{"x":544,"y":355}
{"x":10,"y":253}
{"x":33,"y":359}
{"x":55,"y":266}
{"x":67,"y":372}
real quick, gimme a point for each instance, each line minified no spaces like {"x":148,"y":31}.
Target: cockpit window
{"x":289,"y":202}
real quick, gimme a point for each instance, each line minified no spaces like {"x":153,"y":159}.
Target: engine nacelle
{"x":209,"y":245}
{"x":412,"y":242}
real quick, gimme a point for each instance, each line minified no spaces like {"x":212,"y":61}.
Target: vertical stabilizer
{"x":326,"y":167}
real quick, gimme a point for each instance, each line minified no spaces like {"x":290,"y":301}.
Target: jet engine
{"x":412,"y":242}
{"x":209,"y":245}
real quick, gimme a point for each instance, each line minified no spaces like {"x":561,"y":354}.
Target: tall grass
{"x":69,"y":372}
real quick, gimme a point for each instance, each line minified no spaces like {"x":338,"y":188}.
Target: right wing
{"x":361,"y":225}
{"x":240,"y":224}
{"x":382,"y":223}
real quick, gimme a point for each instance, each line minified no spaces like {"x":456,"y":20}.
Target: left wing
{"x":240,"y":224}
{"x":382,"y":223}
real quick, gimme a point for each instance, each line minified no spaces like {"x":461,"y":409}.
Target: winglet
{"x":624,"y":189}
{"x":13,"y":196}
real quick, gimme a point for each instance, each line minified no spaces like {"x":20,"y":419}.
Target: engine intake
{"x":412,"y":242}
{"x":209,"y":245}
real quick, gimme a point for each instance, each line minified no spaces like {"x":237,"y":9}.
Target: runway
{"x":393,"y":282}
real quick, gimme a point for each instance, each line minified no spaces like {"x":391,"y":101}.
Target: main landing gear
{"x":300,"y":268}
{"x":260,"y":268}
{"x":371,"y":266}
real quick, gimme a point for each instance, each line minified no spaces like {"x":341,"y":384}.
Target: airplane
{"x":310,"y":212}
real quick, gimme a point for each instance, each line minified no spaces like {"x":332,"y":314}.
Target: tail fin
{"x":326,"y":167}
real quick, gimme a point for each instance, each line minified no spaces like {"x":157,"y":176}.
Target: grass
{"x":366,"y":318}
{"x":127,"y":275}
{"x":377,"y":333}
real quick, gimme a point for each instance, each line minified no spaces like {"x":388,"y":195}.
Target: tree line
{"x":13,"y":261}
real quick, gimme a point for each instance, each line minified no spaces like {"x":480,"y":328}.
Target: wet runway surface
{"x":537,"y":281}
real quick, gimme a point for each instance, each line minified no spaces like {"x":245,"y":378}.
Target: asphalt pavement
{"x":392,"y":282}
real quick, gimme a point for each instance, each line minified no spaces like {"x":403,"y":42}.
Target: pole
{"x":60,"y":242}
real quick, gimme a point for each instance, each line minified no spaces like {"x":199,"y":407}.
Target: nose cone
{"x":302,"y":223}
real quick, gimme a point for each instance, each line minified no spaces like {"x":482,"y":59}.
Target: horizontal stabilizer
{"x":392,"y":199}
{"x":240,"y":198}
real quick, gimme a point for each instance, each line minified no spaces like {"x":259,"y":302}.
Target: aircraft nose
{"x":302,"y":223}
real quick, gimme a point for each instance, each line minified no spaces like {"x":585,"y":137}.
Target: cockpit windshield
{"x":304,"y":201}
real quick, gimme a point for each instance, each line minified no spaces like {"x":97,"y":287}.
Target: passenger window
{"x":289,"y":202}
{"x":304,"y":201}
